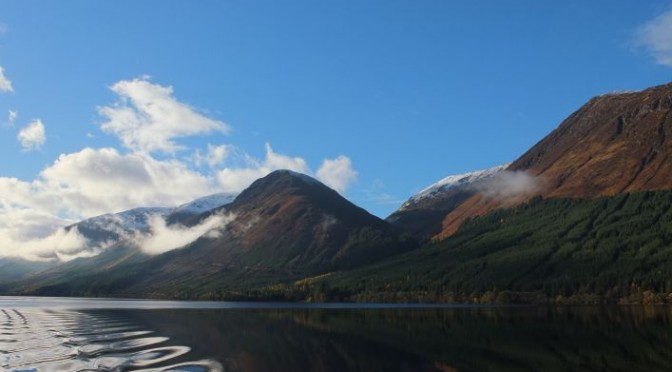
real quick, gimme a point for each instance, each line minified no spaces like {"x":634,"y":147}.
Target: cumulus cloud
{"x":214,"y":156}
{"x":97,"y":181}
{"x":337,"y":173}
{"x":32,"y":136}
{"x":508,"y":184}
{"x":656,"y":37}
{"x":5,"y":83}
{"x":147,"y":118}
{"x":162,"y":238}
{"x":237,"y":179}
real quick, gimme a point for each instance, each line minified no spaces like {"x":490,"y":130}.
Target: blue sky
{"x":127,"y":103}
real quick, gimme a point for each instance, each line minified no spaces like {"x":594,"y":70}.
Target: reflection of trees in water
{"x":496,"y":339}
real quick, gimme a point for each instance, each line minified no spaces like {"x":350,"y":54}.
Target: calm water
{"x":111,"y":335}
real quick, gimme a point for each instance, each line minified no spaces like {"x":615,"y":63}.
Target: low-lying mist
{"x":507,"y":184}
{"x":66,"y":244}
{"x":162,"y":238}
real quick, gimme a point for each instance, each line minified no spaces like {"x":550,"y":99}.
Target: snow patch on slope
{"x":139,"y":220}
{"x":130,"y":220}
{"x":206,"y":203}
{"x":453,"y":181}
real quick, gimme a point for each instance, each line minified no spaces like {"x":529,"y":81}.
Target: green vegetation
{"x":565,"y":251}
{"x":610,"y":249}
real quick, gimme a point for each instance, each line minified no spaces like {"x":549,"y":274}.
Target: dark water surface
{"x":112,"y":335}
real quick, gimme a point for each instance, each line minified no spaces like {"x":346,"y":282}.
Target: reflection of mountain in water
{"x":511,"y":339}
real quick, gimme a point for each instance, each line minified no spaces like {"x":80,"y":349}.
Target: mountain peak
{"x":282,"y":182}
{"x":439,"y":188}
{"x":287,"y":173}
{"x":422,"y":215}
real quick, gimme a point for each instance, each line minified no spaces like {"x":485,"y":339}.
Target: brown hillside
{"x":615,"y":143}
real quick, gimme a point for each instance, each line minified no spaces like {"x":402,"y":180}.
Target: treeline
{"x":603,"y":250}
{"x":560,"y":251}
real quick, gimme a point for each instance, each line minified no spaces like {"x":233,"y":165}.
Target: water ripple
{"x":42,"y":340}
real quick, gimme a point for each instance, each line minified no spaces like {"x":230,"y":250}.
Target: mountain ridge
{"x":423,"y":213}
{"x":581,"y":217}
{"x":613,"y":144}
{"x":284,"y":227}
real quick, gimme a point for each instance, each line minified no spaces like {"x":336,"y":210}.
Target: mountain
{"x":595,"y":228}
{"x":16,"y":268}
{"x":284,"y":227}
{"x":199,"y":206}
{"x":584,"y":216}
{"x":113,"y":226}
{"x":612,"y":249}
{"x":423,"y":214}
{"x":615,"y":143}
{"x":296,"y":221}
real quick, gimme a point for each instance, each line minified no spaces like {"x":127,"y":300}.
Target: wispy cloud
{"x":376,"y":194}
{"x":148,"y":118}
{"x":12,"y":116}
{"x":214,"y":156}
{"x":508,"y":184}
{"x":37,"y":236}
{"x":656,"y":37}
{"x":162,"y":238}
{"x":5,"y":83}
{"x":32,"y":136}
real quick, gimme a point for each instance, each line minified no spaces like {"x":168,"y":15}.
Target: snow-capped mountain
{"x":423,"y":214}
{"x":131,"y":220}
{"x":459,"y":180}
{"x":111,"y":226}
{"x":205,"y":203}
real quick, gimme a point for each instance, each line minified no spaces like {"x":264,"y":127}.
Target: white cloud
{"x":37,"y":236}
{"x":12,"y":116}
{"x":508,"y":184}
{"x":93,"y":182}
{"x":147,"y":117}
{"x":3,"y":28}
{"x":214,"y":156}
{"x":81,"y":185}
{"x":237,"y":179}
{"x":162,"y":238}
{"x":32,"y":136}
{"x":656,"y":36}
{"x":337,"y":173}
{"x":5,"y":83}
{"x":98,"y":181}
